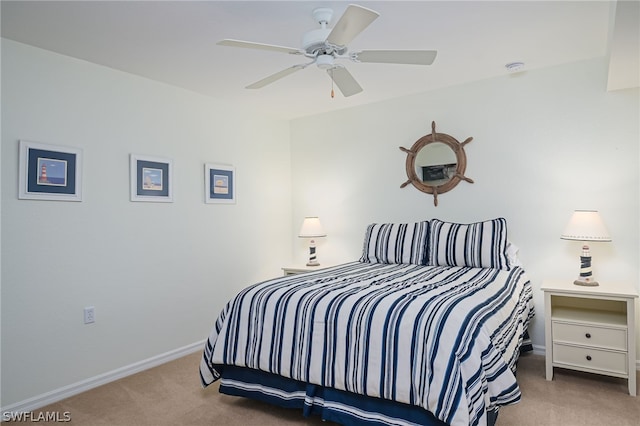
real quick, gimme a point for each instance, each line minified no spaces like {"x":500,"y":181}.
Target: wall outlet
{"x":89,"y":315}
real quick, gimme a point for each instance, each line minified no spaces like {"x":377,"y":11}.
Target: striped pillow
{"x":396,"y":243}
{"x":476,"y":245}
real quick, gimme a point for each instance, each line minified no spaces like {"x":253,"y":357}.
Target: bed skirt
{"x":338,"y":406}
{"x":334,"y":405}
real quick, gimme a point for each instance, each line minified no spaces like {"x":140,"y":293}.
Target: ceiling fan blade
{"x":260,"y":46}
{"x":410,"y":57}
{"x":354,"y":20}
{"x":275,"y":77}
{"x":345,"y":81}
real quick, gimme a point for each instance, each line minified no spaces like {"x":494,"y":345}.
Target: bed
{"x":425,"y":328}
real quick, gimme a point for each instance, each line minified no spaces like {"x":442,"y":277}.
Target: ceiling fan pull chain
{"x":332,"y":92}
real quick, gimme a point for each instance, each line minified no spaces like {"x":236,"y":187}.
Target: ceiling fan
{"x":325,"y":45}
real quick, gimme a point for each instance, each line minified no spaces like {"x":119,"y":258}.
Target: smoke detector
{"x":514,"y":66}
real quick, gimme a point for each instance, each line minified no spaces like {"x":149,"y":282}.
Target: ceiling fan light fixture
{"x":324,"y":62}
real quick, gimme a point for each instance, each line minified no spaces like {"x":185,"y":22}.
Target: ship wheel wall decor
{"x":436,"y":163}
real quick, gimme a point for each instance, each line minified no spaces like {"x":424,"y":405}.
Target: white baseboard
{"x":93,"y":382}
{"x":539,"y":350}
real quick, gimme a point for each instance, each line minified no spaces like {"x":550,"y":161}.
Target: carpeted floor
{"x":171,"y":395}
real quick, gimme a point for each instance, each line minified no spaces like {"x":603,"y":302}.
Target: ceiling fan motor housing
{"x":314,"y":43}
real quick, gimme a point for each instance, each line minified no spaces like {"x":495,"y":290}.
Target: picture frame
{"x":219,"y":184}
{"x":151,"y":179}
{"x":49,"y":172}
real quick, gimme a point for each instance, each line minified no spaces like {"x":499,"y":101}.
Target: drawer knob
{"x":588,"y":335}
{"x":588,"y":357}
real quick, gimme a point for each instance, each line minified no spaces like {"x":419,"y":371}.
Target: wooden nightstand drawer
{"x":591,"y":359}
{"x":584,"y":334}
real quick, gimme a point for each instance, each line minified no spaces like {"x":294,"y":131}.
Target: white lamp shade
{"x":586,"y":225}
{"x":311,"y":227}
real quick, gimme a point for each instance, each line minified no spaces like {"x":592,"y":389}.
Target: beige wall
{"x":158,"y":274}
{"x":545,"y":142}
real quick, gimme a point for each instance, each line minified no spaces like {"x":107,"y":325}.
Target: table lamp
{"x":585,"y":225}
{"x":312,"y":228}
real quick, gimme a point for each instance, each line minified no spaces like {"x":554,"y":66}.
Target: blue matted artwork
{"x":151,"y":179}
{"x":49,"y":172}
{"x":219,"y":183}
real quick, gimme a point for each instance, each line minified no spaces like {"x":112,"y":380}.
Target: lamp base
{"x":313,"y":260}
{"x":588,"y":283}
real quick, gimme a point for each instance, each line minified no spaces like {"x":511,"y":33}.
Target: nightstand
{"x":300,"y":269}
{"x":591,"y":329}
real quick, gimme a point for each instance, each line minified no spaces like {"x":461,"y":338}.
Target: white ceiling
{"x":175,"y":42}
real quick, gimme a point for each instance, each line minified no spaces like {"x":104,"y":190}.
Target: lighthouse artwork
{"x":49,"y":172}
{"x":43,"y":175}
{"x":52,"y":172}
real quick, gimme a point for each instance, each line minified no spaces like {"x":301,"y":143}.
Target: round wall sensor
{"x":514,"y":66}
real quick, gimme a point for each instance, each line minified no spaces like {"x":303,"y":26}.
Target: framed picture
{"x":49,"y":172}
{"x":151,"y":179}
{"x":219,"y":184}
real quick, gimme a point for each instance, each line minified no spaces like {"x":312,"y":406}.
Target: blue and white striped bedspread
{"x":443,"y":338}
